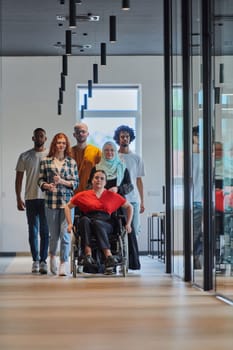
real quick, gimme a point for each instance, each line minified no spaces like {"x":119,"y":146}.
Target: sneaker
{"x":109,"y":271}
{"x":88,"y":260}
{"x":35,"y":266}
{"x":53,"y":265}
{"x":43,"y":268}
{"x":110,"y":264}
{"x":110,"y":261}
{"x":89,"y":265}
{"x":62,"y":269}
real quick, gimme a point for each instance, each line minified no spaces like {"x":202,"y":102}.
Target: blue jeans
{"x":37,"y":223}
{"x":58,"y":230}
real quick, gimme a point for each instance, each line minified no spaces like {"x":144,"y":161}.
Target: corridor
{"x":145,"y":310}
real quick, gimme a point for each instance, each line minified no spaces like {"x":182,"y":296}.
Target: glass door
{"x":177,"y":142}
{"x":223,"y":64}
{"x":197,"y":143}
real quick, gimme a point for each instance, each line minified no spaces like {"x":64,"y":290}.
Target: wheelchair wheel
{"x":73,"y":260}
{"x":123,"y":242}
{"x":124,"y":270}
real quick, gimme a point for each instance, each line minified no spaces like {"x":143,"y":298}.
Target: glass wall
{"x":177,"y":142}
{"x":223,"y":64}
{"x":197,"y":141}
{"x":210,"y":130}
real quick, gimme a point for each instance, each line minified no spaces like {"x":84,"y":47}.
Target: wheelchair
{"x":118,"y":245}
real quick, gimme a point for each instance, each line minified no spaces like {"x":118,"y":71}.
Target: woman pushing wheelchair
{"x":96,"y":206}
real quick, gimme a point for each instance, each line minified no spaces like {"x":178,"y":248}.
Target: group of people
{"x":82,"y":178}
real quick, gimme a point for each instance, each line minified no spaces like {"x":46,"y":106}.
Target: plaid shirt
{"x":68,"y":172}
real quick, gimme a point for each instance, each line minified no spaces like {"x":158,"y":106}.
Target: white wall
{"x":29,"y":100}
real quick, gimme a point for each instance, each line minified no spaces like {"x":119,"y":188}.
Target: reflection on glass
{"x":197,"y":200}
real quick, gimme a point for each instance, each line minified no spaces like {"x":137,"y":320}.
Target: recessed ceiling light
{"x":86,"y":46}
{"x":80,"y":18}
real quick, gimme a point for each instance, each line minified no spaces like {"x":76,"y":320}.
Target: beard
{"x":124,"y":145}
{"x":39,"y":144}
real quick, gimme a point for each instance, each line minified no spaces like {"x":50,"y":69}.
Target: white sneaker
{"x":53,"y":265}
{"x":35,"y":266}
{"x":62,"y":269}
{"x":43,"y":268}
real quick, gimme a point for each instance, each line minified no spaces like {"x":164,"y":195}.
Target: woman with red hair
{"x":58,"y":178}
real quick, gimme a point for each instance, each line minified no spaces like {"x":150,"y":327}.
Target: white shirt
{"x":29,"y":162}
{"x":135,"y":166}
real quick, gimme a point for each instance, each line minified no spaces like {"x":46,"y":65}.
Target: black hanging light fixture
{"x":60,"y":96}
{"x":89,"y":88}
{"x":58,"y":107}
{"x":64,"y":65}
{"x":112,"y":29}
{"x":95,"y":73}
{"x":68,"y":42}
{"x":221,"y":73}
{"x":103,"y":54}
{"x":72,"y":14}
{"x":85,"y":101}
{"x":125,"y":5}
{"x":63,"y":82}
{"x":82,"y":112}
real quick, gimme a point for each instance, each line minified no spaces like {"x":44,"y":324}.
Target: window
{"x":109,"y":107}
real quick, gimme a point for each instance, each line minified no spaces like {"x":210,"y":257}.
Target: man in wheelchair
{"x":97,"y":205}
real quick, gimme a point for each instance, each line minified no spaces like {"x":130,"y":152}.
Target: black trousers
{"x":93,"y":227}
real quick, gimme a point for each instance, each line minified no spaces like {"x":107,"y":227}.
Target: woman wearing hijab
{"x":118,"y":178}
{"x":118,"y":181}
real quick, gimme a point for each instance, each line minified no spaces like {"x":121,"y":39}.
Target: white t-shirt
{"x":135,"y":166}
{"x":29,"y":162}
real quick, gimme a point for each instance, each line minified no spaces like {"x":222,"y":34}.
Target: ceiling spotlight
{"x":86,"y":46}
{"x":81,"y":18}
{"x":125,"y":5}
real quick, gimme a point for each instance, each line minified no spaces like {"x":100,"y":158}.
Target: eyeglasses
{"x":77,"y":132}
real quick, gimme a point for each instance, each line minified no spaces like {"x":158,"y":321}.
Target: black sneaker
{"x":89,"y":265}
{"x":88,"y":260}
{"x":110,"y":261}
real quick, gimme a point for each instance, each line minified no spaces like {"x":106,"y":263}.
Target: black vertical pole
{"x":168,"y":161}
{"x":207,"y":143}
{"x":186,"y":14}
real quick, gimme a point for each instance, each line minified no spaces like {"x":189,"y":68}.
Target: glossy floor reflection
{"x":146,"y":310}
